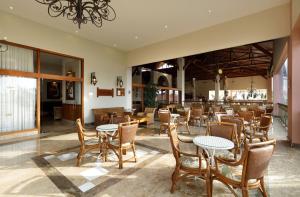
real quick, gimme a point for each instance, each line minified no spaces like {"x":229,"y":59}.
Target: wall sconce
{"x":119,"y":81}
{"x":93,"y":78}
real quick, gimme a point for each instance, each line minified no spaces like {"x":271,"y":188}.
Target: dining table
{"x":105,"y":133}
{"x":211,"y":144}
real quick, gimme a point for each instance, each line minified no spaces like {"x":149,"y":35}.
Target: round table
{"x":212,"y":143}
{"x":106,"y":129}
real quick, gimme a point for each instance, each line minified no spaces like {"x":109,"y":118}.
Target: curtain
{"x":17,"y":103}
{"x":17,"y":94}
{"x":15,"y":58}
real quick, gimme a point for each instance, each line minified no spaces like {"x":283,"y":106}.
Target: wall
{"x":108,"y":63}
{"x":238,"y":83}
{"x":242,"y":83}
{"x":270,"y":24}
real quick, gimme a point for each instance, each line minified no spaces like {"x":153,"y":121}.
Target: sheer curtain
{"x":17,"y":94}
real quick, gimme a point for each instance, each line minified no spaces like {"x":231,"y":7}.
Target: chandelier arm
{"x":80,"y":12}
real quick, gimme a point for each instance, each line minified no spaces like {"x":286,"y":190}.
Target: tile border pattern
{"x":68,"y":188}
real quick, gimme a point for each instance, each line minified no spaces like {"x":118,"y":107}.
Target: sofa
{"x":146,"y":117}
{"x":103,"y":115}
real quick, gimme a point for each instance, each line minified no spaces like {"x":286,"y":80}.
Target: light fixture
{"x":209,"y":12}
{"x":81,"y":11}
{"x":136,"y":37}
{"x":119,"y":81}
{"x":93,"y":78}
{"x":11,"y":7}
{"x":5,"y":38}
{"x":220,"y":71}
{"x":166,"y":26}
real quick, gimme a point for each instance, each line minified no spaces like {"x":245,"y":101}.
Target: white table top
{"x":107,"y":127}
{"x":175,"y":115}
{"x":212,"y":142}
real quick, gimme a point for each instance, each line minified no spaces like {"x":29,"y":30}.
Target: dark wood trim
{"x":17,"y":132}
{"x":36,"y":49}
{"x":105,"y":92}
{"x":82,"y":91}
{"x":18,"y":73}
{"x":38,"y":94}
{"x":38,"y":75}
{"x":59,"y":77}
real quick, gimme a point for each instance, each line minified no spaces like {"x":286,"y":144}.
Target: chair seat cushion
{"x":225,"y":154}
{"x":116,"y":143}
{"x":91,"y":141}
{"x":192,"y":162}
{"x":166,"y":124}
{"x":234,"y":173}
{"x":140,"y":114}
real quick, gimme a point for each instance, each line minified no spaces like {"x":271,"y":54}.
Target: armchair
{"x":261,"y":130}
{"x":146,"y":116}
{"x":186,"y":163}
{"x":86,"y":144}
{"x":248,"y":172}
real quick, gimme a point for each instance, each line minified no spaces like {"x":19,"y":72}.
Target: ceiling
{"x":248,"y":60}
{"x":144,"y":22}
{"x":243,"y":61}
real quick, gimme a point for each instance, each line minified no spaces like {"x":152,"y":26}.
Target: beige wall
{"x":108,"y":63}
{"x":242,"y":83}
{"x":267,"y":25}
{"x":295,"y":6}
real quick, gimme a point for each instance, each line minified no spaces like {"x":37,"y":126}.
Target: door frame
{"x":38,"y":76}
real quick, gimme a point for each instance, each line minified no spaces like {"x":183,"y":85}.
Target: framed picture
{"x":70,"y":87}
{"x":53,"y":90}
{"x":70,"y":90}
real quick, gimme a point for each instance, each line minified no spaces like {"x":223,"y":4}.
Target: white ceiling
{"x":146,"y":18}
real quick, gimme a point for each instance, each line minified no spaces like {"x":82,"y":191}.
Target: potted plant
{"x":150,"y":93}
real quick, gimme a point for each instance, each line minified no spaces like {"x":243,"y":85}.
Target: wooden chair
{"x":197,"y":114}
{"x":165,"y":120}
{"x":247,"y":115}
{"x":86,"y":144}
{"x":225,"y":130}
{"x":239,"y":128}
{"x":248,"y":172}
{"x":125,"y":140}
{"x":261,"y":130}
{"x":147,"y":116}
{"x":184,"y":120}
{"x":119,"y":119}
{"x":186,"y":163}
{"x":258,"y":113}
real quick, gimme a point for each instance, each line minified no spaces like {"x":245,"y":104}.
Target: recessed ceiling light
{"x":136,"y":37}
{"x":11,"y":7}
{"x":166,"y":26}
{"x":76,"y":31}
{"x":209,"y":11}
{"x":5,"y":38}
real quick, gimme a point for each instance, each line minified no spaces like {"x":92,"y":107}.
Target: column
{"x":181,"y":78}
{"x":217,"y":87}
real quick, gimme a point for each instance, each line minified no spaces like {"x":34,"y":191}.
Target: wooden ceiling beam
{"x":262,"y":49}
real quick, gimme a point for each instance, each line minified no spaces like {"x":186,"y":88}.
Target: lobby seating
{"x":247,"y":173}
{"x":260,"y":130}
{"x":124,"y":139}
{"x":186,"y":163}
{"x":103,"y":115}
{"x":87,"y":141}
{"x":145,"y":117}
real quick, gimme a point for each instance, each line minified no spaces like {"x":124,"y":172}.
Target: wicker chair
{"x":227,"y":131}
{"x":247,"y":115}
{"x":260,"y":131}
{"x":248,"y":172}
{"x":197,"y":114}
{"x":184,"y":120}
{"x":86,"y":145}
{"x":125,"y":140}
{"x":165,"y":120}
{"x":186,"y":163}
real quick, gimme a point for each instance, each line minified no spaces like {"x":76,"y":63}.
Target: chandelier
{"x":81,"y":11}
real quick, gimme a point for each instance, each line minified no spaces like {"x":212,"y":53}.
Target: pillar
{"x":181,"y":78}
{"x":217,"y":87}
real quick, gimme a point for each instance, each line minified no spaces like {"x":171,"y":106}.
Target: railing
{"x":283,"y":113}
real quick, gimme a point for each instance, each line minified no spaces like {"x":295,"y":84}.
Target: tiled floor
{"x":46,"y":167}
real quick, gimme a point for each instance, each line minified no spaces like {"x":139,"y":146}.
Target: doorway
{"x":60,"y":99}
